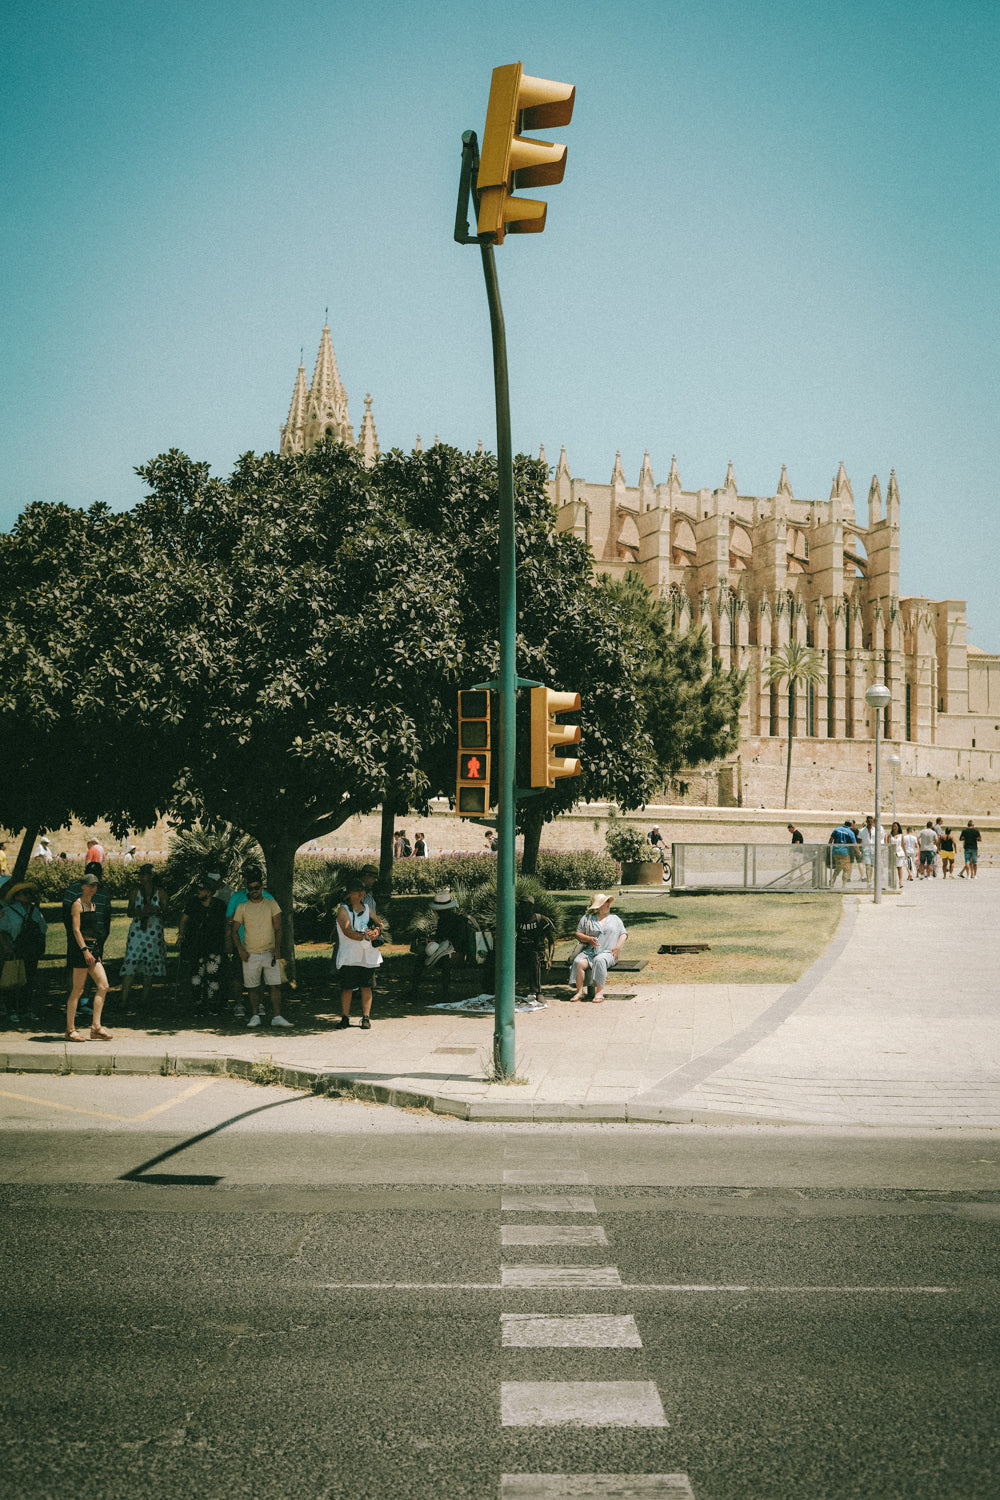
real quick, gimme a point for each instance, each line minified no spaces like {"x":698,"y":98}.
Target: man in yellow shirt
{"x":256,"y":931}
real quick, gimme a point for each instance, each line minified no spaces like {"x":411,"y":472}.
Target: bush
{"x":627,"y":844}
{"x":195,"y":852}
{"x":576,"y":870}
{"x":119,"y":878}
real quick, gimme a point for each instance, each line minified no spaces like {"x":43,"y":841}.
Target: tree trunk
{"x":532,"y":823}
{"x":279,"y":856}
{"x":791,"y":727}
{"x":385,"y":856}
{"x":20,"y":869}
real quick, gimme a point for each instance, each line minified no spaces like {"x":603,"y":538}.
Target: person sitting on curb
{"x":601,"y":938}
{"x":256,"y":931}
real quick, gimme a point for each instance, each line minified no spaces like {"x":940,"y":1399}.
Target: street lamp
{"x":878,"y":697}
{"x":894,"y":761}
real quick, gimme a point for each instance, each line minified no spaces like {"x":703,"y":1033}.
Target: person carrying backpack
{"x":22,"y":941}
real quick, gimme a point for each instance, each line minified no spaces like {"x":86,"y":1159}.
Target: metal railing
{"x":771,"y":867}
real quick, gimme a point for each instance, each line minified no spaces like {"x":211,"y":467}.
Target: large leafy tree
{"x":62,"y":756}
{"x":571,"y":631}
{"x":290,"y":628}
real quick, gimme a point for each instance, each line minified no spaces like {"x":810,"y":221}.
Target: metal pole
{"x":503,"y":1012}
{"x":878,"y":805}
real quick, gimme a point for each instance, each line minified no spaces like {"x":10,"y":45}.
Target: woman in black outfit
{"x":86,"y":943}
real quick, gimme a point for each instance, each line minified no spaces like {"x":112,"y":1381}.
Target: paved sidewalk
{"x":898,"y":1024}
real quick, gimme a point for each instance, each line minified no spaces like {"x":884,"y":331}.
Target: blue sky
{"x":776,"y":242}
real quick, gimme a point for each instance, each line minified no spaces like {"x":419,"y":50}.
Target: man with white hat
{"x":601,"y":938}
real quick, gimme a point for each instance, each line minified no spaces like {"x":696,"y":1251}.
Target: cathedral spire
{"x":327,"y":405}
{"x":368,"y":441}
{"x":292,"y":434}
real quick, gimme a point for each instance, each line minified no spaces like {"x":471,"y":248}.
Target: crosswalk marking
{"x":578,"y":1331}
{"x":581,"y":1403}
{"x":595,"y":1487}
{"x":553,"y":1234}
{"x":545,"y":1203}
{"x":559,"y":1276}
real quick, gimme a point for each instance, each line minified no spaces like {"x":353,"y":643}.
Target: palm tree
{"x":799,"y":664}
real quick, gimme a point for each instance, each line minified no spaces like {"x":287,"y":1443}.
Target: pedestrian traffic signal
{"x":472,"y":790}
{"x":547,"y":736}
{"x":508,"y":161}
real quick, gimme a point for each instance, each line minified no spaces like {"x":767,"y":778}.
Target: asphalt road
{"x":361,"y":1304}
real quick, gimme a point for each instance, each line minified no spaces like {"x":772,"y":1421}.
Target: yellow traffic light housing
{"x":547,"y":736}
{"x":472,"y":787}
{"x":508,"y":161}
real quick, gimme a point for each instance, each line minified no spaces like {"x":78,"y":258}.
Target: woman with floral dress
{"x":202,"y":939}
{"x":145,"y":946}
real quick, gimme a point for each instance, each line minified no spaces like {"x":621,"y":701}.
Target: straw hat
{"x":598,"y":901}
{"x":11,"y":892}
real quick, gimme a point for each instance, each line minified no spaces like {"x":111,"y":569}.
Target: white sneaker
{"x":253,"y":1021}
{"x":280,"y":1021}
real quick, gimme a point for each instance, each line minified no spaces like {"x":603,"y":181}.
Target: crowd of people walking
{"x":913,"y":853}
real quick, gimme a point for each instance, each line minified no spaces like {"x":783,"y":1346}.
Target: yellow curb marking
{"x":98,"y":1114}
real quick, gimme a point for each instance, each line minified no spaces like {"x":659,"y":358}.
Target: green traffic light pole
{"x":508,"y":682}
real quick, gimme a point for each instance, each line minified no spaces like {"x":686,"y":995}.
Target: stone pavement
{"x":897,"y":1024}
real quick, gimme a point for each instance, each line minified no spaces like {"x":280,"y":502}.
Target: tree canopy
{"x":281,"y":649}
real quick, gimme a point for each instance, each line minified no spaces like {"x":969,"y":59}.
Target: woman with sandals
{"x":86,"y":943}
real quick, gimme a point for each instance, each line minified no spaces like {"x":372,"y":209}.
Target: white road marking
{"x":581,"y":1331}
{"x":543,"y":1203}
{"x":531,"y":1176}
{"x":595,"y":1487}
{"x":559,"y":1276}
{"x":581,"y":1403}
{"x":553,"y":1234}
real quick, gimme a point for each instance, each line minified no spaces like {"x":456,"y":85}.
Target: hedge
{"x":573,"y":870}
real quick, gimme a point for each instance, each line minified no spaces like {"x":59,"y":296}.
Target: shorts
{"x":868,"y":854}
{"x":927,"y":856}
{"x":74,"y":954}
{"x":841,"y":861}
{"x":260,"y":968}
{"x":947,"y":858}
{"x":356,"y":977}
{"x":970,"y":856}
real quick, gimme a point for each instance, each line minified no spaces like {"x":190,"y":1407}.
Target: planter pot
{"x":649,"y":872}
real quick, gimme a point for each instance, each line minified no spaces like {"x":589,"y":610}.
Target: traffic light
{"x":507,"y":161}
{"x":547,"y":736}
{"x":472,"y":791}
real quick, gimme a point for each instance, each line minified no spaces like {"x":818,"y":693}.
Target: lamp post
{"x":878,"y":698}
{"x":893,"y":760}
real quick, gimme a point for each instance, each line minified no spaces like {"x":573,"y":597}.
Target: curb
{"x":340,"y":1085}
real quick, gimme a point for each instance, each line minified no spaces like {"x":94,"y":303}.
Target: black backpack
{"x":30,"y":941}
